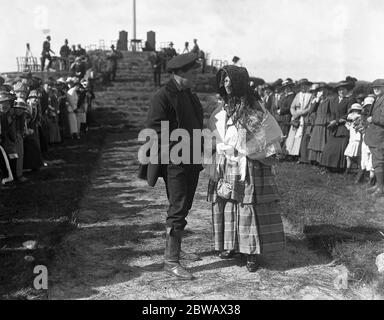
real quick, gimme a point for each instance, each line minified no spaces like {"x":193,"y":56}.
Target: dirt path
{"x":116,"y":253}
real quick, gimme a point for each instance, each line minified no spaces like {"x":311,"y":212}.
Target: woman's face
{"x":228,"y":85}
{"x":342,"y":92}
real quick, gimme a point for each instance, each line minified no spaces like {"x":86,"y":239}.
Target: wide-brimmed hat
{"x":20,"y":87}
{"x":377,"y":83}
{"x":369,"y":100}
{"x":345,"y":84}
{"x":186,"y":61}
{"x":304,"y":82}
{"x":20,"y":104}
{"x":287,"y":83}
{"x":33,"y":95}
{"x":315,"y":87}
{"x":6,"y":96}
{"x":61,"y":80}
{"x":356,"y":107}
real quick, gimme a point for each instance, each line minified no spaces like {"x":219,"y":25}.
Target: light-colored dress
{"x":300,"y":103}
{"x":352,"y":150}
{"x":72,"y":100}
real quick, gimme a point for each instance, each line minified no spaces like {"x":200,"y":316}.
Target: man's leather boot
{"x":172,"y":256}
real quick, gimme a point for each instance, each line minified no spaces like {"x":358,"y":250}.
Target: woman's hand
{"x":370,"y":120}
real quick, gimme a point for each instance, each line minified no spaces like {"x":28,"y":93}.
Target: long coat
{"x":300,"y":105}
{"x":374,"y":136}
{"x":333,"y":153}
{"x":166,"y":106}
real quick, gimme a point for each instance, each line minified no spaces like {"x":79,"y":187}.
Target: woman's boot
{"x":172,"y":256}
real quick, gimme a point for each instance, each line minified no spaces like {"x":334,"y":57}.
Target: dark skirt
{"x":33,"y":158}
{"x":304,"y":154}
{"x":319,"y":138}
{"x":333,"y":155}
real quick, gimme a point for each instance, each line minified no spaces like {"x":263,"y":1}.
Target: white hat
{"x":357,"y":107}
{"x":61,"y":80}
{"x":369,"y":100}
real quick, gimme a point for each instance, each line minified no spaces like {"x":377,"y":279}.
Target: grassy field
{"x":337,"y":217}
{"x":43,"y":210}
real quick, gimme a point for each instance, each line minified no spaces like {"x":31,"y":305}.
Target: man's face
{"x":378,"y":91}
{"x":304,"y":88}
{"x":187,"y":78}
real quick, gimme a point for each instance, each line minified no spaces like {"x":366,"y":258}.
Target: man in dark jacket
{"x":374,"y":137}
{"x":46,"y":54}
{"x":176,"y":105}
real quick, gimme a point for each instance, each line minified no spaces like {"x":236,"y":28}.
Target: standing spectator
{"x":72,"y":102}
{"x":74,"y":51}
{"x":33,"y":159}
{"x":374,"y":137}
{"x":7,"y":138}
{"x":46,"y":54}
{"x":171,"y":52}
{"x":300,"y":107}
{"x":156,"y":65}
{"x":333,"y":155}
{"x":353,"y":148}
{"x":196,"y":48}
{"x":366,"y":155}
{"x":236,"y":61}
{"x":284,"y":107}
{"x":65,"y":52}
{"x":79,"y":68}
{"x":113,"y":59}
{"x":186,"y":48}
{"x":80,"y":51}
{"x":309,"y":122}
{"x":320,"y":133}
{"x":268,"y":97}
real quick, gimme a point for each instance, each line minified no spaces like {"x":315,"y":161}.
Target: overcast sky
{"x":321,"y":40}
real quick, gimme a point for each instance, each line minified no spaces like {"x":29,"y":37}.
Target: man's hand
{"x":332,"y":124}
{"x":370,"y":120}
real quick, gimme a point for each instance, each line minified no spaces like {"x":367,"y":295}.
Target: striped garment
{"x":249,"y":223}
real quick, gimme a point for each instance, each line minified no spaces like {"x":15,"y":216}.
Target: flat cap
{"x":377,"y":83}
{"x":184,"y":61}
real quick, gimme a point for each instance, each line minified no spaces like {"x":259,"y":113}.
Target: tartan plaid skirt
{"x":250,"y":222}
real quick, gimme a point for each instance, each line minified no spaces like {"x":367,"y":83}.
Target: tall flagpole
{"x":134,"y":23}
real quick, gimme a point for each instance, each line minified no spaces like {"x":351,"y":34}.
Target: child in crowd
{"x":366,"y":155}
{"x":352,"y":151}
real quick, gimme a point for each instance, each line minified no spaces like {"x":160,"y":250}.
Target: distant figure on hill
{"x":236,"y":61}
{"x":46,"y":54}
{"x":81,"y":51}
{"x":113,"y":58}
{"x":156,"y":63}
{"x":186,"y":48}
{"x":196,"y":48}
{"x":65,"y":52}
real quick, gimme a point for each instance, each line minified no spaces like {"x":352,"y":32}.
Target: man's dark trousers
{"x":181,"y":183}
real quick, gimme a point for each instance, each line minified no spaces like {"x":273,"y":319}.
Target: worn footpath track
{"x":116,"y":252}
